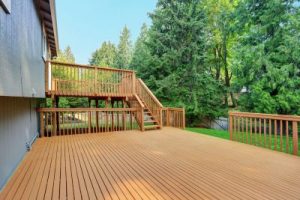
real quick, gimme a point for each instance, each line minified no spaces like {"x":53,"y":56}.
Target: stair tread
{"x":151,"y":126}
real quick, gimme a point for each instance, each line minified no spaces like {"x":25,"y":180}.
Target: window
{"x":6,"y":5}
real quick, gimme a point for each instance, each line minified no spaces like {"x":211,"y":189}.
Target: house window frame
{"x":6,"y":5}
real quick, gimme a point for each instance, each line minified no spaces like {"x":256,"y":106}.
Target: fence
{"x":276,"y":132}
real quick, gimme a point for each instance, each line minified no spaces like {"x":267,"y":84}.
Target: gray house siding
{"x":18,"y":126}
{"x":21,"y":50}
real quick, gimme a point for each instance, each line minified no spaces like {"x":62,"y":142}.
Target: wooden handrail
{"x":89,"y":66}
{"x":267,"y":130}
{"x":139,"y":100}
{"x":266,"y":116}
{"x":84,"y":109}
{"x":150,"y":92}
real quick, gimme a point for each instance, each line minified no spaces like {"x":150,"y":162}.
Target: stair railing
{"x":150,"y":101}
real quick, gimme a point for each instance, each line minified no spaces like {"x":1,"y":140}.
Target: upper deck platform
{"x":66,"y":79}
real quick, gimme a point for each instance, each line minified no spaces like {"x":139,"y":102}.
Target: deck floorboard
{"x":155,"y":165}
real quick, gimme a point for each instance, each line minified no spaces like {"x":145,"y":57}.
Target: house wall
{"x":21,"y":51}
{"x":18,"y":126}
{"x":22,"y":82}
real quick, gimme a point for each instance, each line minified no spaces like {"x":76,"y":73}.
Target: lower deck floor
{"x":163,"y":164}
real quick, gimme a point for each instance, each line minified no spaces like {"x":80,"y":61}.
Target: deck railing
{"x":150,"y":101}
{"x":69,"y":121}
{"x":81,"y":80}
{"x":174,"y":117}
{"x":277,"y":132}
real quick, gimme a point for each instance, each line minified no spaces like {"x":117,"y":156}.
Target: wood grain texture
{"x":163,"y":164}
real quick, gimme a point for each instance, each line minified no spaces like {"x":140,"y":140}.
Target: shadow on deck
{"x":163,"y":164}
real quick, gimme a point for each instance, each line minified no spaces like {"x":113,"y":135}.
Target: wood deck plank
{"x":163,"y":164}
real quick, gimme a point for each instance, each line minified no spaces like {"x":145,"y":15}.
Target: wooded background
{"x":213,"y":55}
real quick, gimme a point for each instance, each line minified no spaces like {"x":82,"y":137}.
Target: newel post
{"x":230,"y":125}
{"x":142,"y":119}
{"x":295,"y":137}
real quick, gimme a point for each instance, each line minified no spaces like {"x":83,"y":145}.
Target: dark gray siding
{"x":18,"y":125}
{"x":21,"y":63}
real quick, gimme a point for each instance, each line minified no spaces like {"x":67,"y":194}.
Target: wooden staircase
{"x":128,"y":102}
{"x":150,"y":123}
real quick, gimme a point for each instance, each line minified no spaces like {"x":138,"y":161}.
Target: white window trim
{"x":6,"y":5}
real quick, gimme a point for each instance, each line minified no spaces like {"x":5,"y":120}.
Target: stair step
{"x":149,"y":121}
{"x":151,"y":127}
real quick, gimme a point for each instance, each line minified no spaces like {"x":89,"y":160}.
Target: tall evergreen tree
{"x":124,"y":51}
{"x":268,"y":56}
{"x":176,"y":71}
{"x":141,"y":53}
{"x":105,"y":55}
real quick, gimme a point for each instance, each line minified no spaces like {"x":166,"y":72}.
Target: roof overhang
{"x":48,"y":16}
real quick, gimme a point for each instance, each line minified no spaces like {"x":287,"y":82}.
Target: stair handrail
{"x":139,"y":100}
{"x":150,"y":92}
{"x":140,"y":116}
{"x":150,"y":100}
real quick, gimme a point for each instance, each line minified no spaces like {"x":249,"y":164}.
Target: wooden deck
{"x":163,"y":164}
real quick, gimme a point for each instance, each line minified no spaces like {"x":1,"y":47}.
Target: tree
{"x":141,"y":53}
{"x":268,"y":56}
{"x":105,"y":55}
{"x":65,"y":56}
{"x":124,"y":51}
{"x":220,"y":41}
{"x":176,"y":71}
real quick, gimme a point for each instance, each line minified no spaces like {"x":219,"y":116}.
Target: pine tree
{"x":176,"y":71}
{"x":141,"y":54}
{"x":124,"y":51}
{"x":105,"y":55}
{"x":268,"y":56}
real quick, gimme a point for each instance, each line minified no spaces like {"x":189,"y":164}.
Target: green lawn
{"x":211,"y":132}
{"x":256,"y":139}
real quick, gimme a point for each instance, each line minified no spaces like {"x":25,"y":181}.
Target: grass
{"x":212,"y":132}
{"x":254,"y":139}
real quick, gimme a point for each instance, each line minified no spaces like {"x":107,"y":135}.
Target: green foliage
{"x":124,"y":50}
{"x":141,"y":54}
{"x":173,"y":61}
{"x":267,"y":56}
{"x":105,"y":55}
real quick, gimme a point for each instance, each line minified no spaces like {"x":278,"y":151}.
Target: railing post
{"x":167,"y":116}
{"x":142,"y":119}
{"x":95,"y":80}
{"x":133,"y":83}
{"x":160,"y":117}
{"x":46,"y":77}
{"x":89,"y":120}
{"x":183,"y":113}
{"x":295,"y":137}
{"x":230,"y":125}
{"x":42,"y":124}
